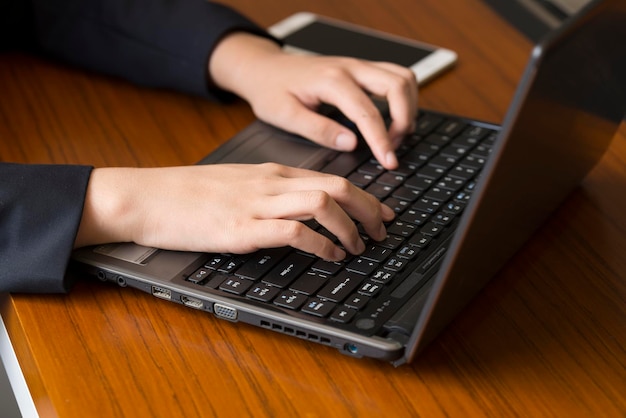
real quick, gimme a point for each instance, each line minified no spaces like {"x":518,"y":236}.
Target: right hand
{"x":232,"y":208}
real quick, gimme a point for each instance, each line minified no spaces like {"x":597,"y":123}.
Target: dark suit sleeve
{"x":155,"y":43}
{"x":40,"y":210}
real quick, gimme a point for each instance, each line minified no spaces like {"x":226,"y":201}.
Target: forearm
{"x":156,"y":43}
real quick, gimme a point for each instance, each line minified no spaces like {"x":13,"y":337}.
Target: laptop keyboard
{"x":439,"y":165}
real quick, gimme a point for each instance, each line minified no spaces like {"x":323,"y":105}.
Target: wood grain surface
{"x":545,"y":338}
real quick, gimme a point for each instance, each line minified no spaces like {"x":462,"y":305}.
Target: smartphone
{"x":308,"y":33}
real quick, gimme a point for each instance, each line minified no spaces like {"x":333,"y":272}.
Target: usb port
{"x":192,"y":302}
{"x":161,"y":292}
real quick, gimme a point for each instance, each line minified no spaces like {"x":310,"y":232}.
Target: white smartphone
{"x":308,"y":33}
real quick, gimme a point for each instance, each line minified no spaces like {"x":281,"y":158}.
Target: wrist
{"x":108,"y":209}
{"x":237,"y":57}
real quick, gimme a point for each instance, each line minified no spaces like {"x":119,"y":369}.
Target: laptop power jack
{"x":352,"y":349}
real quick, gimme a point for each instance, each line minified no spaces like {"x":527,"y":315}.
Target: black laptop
{"x":467,"y":195}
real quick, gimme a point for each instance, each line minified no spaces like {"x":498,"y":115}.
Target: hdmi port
{"x":192,"y":302}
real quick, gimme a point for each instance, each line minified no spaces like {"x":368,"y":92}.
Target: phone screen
{"x":325,"y":39}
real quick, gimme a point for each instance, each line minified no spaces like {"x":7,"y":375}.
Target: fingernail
{"x":382,"y":232}
{"x":360,"y":246}
{"x":390,"y":159}
{"x":339,"y":254}
{"x":344,"y":142}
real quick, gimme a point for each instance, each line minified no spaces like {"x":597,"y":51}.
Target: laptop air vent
{"x":298,"y":333}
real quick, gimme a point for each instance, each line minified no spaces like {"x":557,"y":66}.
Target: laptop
{"x":468,"y":194}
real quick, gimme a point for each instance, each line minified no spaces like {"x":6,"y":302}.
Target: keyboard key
{"x":414,"y":216}
{"x":443,"y":162}
{"x":420,"y":240}
{"x":199,"y":276}
{"x":370,"y":289}
{"x":408,"y":252}
{"x":380,"y":191}
{"x":401,"y":228}
{"x":288,"y":270}
{"x":309,"y":283}
{"x":396,"y":264}
{"x":216,"y":279}
{"x":442,"y":218}
{"x":437,"y":139}
{"x":236,"y":285}
{"x":427,"y":123}
{"x":362,"y":266}
{"x":450,"y":183}
{"x":290,"y":300}
{"x":405,"y":168}
{"x":215,"y":262}
{"x":419,"y":183}
{"x":388,"y":179}
{"x":478,"y":132}
{"x":453,"y":208}
{"x":341,"y":286}
{"x":329,"y":267}
{"x":357,"y":301}
{"x":263,"y":292}
{"x":232,"y":264}
{"x":383,"y":276}
{"x":461,"y":172}
{"x":451,"y":127}
{"x":427,"y":205}
{"x":260,"y":263}
{"x":439,"y":194}
{"x":455,"y":151}
{"x":473,"y":161}
{"x":376,"y":253}
{"x":318,"y":307}
{"x":361,"y":179}
{"x":431,"y":229}
{"x":431,"y":172}
{"x":343,"y":314}
{"x":372,"y":168}
{"x":392,"y":242}
{"x":398,"y":205}
{"x":406,"y":194}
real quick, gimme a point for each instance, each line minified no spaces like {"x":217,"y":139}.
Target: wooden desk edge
{"x":31,"y":393}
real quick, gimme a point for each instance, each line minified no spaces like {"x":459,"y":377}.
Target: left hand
{"x":285,"y":90}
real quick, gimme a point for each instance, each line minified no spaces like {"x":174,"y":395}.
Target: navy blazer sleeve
{"x":156,"y":43}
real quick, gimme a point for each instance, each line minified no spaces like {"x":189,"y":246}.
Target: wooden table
{"x":545,"y":338}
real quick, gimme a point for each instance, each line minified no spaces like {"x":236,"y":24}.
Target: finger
{"x":273,"y":233}
{"x":318,"y":205}
{"x":400,"y":90}
{"x":302,"y":120}
{"x":348,"y":96}
{"x":358,"y":204}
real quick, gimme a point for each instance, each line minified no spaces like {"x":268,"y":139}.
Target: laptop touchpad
{"x":260,"y":143}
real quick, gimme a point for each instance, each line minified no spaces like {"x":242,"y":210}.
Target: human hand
{"x":285,"y":89}
{"x":233,"y":208}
